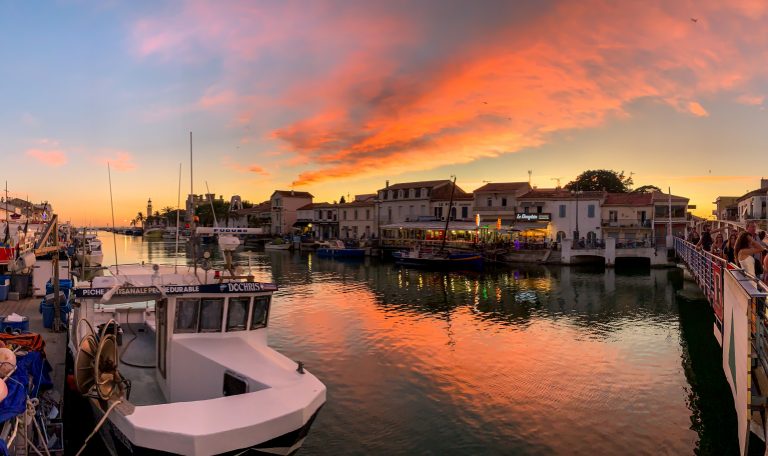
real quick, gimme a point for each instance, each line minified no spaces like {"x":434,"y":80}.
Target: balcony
{"x":626,"y":223}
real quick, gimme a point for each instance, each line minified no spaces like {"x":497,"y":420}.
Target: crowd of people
{"x":746,"y":248}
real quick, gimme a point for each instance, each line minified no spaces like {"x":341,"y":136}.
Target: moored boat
{"x":337,"y":249}
{"x":203,"y":379}
{"x":439,"y":260}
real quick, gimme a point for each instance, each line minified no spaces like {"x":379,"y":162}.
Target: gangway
{"x":738,"y":300}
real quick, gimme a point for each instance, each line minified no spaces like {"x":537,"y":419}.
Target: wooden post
{"x":57,"y":324}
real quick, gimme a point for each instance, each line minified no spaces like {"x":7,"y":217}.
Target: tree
{"x":646,"y":189}
{"x":342,"y":200}
{"x":139,"y":218}
{"x":601,"y":179}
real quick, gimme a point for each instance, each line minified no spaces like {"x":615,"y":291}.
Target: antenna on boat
{"x":178,"y":211}
{"x":114,"y":236}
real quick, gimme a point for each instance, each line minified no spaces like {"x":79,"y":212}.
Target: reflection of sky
{"x":524,"y":361}
{"x":342,"y":96}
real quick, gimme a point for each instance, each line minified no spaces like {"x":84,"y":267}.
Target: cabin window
{"x":237,"y":315}
{"x":260,"y":312}
{"x":211,"y":311}
{"x":187,"y":311}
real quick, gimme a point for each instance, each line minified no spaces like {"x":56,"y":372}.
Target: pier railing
{"x":738,"y":300}
{"x":708,"y":272}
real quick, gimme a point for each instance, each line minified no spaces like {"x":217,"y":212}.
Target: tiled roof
{"x":661,"y":196}
{"x":628,"y":199}
{"x":759,"y":191}
{"x":421,"y":184}
{"x":293,"y":193}
{"x":503,"y":187}
{"x":560,"y":194}
{"x":443,"y":193}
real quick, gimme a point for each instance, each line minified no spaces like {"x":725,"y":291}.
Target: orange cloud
{"x":243,"y":168}
{"x":405,"y":96}
{"x":118,"y":160}
{"x":48,"y":157}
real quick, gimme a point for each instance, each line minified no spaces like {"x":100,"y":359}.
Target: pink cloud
{"x":48,"y":157}
{"x":372,"y":104}
{"x":118,"y":160}
{"x":244,"y":168}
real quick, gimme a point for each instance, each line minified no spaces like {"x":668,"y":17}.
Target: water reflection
{"x":527,"y":360}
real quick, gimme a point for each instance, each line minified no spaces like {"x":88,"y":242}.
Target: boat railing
{"x":707,"y":271}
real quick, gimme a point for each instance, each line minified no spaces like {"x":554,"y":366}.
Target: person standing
{"x":746,"y":248}
{"x":729,"y":252}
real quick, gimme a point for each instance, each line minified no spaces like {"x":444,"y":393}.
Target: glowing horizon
{"x":336,"y":98}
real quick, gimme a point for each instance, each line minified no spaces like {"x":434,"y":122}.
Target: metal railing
{"x":708,"y":272}
{"x":626,"y":223}
{"x":587,"y":244}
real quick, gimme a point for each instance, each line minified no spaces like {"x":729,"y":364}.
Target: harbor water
{"x":523,"y":360}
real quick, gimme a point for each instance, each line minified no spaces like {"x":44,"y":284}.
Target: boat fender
{"x":7,"y":362}
{"x":300,"y":369}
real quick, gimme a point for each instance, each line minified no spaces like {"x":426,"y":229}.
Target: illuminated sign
{"x":533,"y":217}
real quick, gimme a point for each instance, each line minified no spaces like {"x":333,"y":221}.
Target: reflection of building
{"x":357,"y":219}
{"x":284,"y":204}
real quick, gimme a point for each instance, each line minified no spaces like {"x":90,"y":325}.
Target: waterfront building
{"x":751,"y":206}
{"x":662,"y":219}
{"x":325,"y":221}
{"x":284,"y":204}
{"x":498,"y":201}
{"x":726,"y":208}
{"x":258,"y":216}
{"x":626,"y":217}
{"x":410,"y":201}
{"x":357,"y":219}
{"x":463,"y":203}
{"x":555,"y":214}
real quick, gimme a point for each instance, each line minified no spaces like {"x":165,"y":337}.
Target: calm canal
{"x":526,"y":360}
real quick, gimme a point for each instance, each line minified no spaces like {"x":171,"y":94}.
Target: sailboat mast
{"x":448,"y":217}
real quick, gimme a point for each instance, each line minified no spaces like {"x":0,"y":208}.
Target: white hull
{"x":91,"y":259}
{"x":277,"y":246}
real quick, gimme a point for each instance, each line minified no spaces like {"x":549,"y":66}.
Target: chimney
{"x":291,"y":192}
{"x":763,"y":183}
{"x":387,"y":186}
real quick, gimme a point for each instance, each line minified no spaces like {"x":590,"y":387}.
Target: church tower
{"x":149,"y":207}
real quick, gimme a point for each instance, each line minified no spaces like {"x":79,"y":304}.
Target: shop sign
{"x":544,"y":217}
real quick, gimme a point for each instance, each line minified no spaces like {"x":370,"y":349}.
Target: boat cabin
{"x":183,"y":330}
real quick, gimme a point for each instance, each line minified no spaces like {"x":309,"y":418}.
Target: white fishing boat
{"x":202,"y":379}
{"x":88,"y":249}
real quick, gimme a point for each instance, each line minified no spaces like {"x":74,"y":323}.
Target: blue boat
{"x":337,"y":249}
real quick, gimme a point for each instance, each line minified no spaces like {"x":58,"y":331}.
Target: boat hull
{"x":118,"y":444}
{"x":154,"y":233}
{"x":277,"y":246}
{"x":90,"y":259}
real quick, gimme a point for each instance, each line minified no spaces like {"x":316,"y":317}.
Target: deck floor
{"x":55,"y":343}
{"x":141,"y":351}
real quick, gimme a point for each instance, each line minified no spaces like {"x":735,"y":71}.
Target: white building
{"x":412,"y":201}
{"x":557,"y":214}
{"x":357,"y":219}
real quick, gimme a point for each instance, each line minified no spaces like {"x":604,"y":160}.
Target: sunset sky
{"x":337,"y":97}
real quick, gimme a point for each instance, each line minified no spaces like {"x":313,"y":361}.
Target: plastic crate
{"x":22,"y":326}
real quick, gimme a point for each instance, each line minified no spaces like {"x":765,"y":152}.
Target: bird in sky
{"x":693,"y":19}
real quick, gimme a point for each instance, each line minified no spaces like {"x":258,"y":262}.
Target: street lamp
{"x":576,"y":193}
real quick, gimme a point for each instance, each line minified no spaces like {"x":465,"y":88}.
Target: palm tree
{"x":140,"y":218}
{"x":166,"y":212}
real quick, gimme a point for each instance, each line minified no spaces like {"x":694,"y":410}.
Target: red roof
{"x":293,"y":193}
{"x":560,"y":194}
{"x":628,"y":199}
{"x":503,"y":187}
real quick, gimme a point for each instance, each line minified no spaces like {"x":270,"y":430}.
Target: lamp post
{"x":576,"y":193}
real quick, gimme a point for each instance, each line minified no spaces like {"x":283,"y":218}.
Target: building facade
{"x":284,"y":204}
{"x":626,"y":217}
{"x":357,"y":219}
{"x":556,"y":214}
{"x":498,"y":200}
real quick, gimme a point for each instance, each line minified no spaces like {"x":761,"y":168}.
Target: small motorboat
{"x":439,"y":260}
{"x":337,"y":249}
{"x":277,"y":244}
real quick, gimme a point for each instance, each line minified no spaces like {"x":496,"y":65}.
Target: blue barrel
{"x":22,"y":326}
{"x":48,"y":312}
